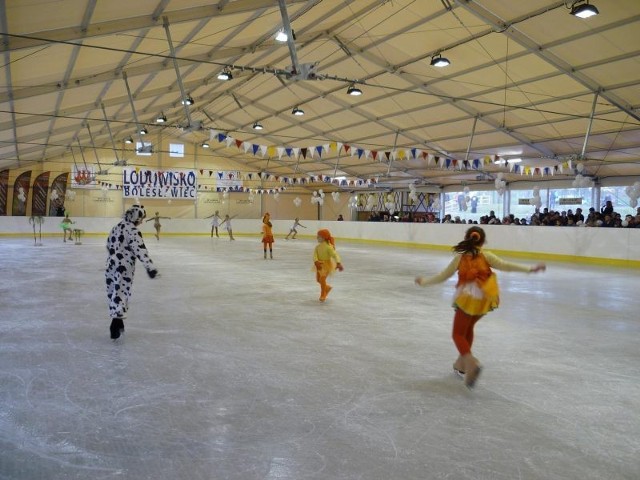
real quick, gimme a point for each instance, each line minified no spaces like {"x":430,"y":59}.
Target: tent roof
{"x":527,"y":81}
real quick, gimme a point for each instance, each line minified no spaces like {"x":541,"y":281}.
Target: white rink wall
{"x":593,"y":245}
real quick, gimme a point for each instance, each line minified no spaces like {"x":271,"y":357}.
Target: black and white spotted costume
{"x":124,"y":246}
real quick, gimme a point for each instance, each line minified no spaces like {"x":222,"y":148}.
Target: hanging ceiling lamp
{"x":581,"y":9}
{"x":353,"y":90}
{"x":439,"y":61}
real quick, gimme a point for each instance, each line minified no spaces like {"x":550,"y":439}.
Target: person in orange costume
{"x":326,"y":260}
{"x":267,"y":235}
{"x":476,"y":294}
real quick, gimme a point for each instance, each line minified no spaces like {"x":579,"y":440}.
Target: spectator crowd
{"x":607,"y":217}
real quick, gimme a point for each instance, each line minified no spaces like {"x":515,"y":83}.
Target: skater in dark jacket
{"x":124,"y":246}
{"x":476,"y":293}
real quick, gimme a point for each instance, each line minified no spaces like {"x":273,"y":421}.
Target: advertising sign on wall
{"x":146,"y":183}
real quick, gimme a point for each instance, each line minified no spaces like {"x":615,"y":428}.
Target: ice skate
{"x":458,"y":366}
{"x":472,"y":370}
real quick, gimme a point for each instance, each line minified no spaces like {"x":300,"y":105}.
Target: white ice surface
{"x":230,"y":368}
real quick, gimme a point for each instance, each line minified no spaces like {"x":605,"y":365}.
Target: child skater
{"x":476,"y":294}
{"x":227,"y":220}
{"x":156,"y":223}
{"x":124,"y":246}
{"x":326,"y":260}
{"x":267,"y":235}
{"x":66,"y":227}
{"x":296,"y":223}
{"x":215,"y":223}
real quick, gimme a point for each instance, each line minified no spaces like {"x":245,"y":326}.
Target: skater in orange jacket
{"x":476,"y":293}
{"x":267,"y":235}
{"x":326,"y":260}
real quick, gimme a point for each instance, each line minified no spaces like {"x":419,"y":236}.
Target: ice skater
{"x":156,"y":223}
{"x":215,"y":223}
{"x":66,"y":228}
{"x":227,"y":221}
{"x":326,"y":260}
{"x":476,"y":294}
{"x":267,"y":235}
{"x":124,"y":246}
{"x":294,"y":229}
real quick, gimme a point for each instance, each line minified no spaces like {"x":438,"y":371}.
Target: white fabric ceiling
{"x":524,"y":80}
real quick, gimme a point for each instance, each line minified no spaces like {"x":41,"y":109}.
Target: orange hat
{"x":326,"y":235}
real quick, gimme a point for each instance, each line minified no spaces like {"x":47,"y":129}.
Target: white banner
{"x":229,"y":179}
{"x":145,"y":183}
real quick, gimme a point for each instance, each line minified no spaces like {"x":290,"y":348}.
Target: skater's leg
{"x":322,"y":280}
{"x":463,"y":338}
{"x":461,"y":324}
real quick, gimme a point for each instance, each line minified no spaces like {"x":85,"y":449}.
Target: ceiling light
{"x":144,"y":131}
{"x":225,"y":75}
{"x":439,"y":61}
{"x":583,"y":10}
{"x":204,"y":145}
{"x":282,"y":36}
{"x":353,"y":90}
{"x":187,"y":101}
{"x":128,"y":140}
{"x":297,"y":112}
{"x":161,"y":118}
{"x":257,"y":126}
{"x":510,"y":160}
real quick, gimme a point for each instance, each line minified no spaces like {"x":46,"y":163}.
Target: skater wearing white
{"x":215,"y":223}
{"x":294,"y":231}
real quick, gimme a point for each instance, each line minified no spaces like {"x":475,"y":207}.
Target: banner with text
{"x":145,"y":183}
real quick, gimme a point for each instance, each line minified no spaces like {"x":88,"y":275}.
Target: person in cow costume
{"x":124,"y":246}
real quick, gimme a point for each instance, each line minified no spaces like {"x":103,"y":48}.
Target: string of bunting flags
{"x":395,"y":154}
{"x":232,"y":181}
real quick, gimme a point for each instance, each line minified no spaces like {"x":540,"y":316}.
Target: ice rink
{"x":231,"y":368}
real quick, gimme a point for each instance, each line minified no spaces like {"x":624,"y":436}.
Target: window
{"x":619,"y":199}
{"x":144,"y":151}
{"x":521,"y":206}
{"x":563,"y":199}
{"x":472,"y":205}
{"x":176,"y":150}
